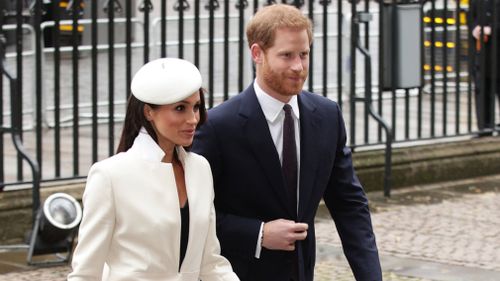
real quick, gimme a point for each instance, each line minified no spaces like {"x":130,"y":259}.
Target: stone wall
{"x":418,"y":165}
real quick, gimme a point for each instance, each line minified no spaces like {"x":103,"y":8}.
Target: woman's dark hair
{"x":135,"y":119}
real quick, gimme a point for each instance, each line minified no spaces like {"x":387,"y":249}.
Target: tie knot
{"x":287,"y":108}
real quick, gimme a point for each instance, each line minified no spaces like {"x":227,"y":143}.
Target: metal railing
{"x":73,"y":87}
{"x":15,"y":126}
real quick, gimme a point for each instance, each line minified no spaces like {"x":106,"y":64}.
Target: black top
{"x":184,"y":231}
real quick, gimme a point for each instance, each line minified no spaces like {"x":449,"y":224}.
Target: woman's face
{"x":175,"y":123}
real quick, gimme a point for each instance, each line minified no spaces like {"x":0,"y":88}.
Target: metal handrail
{"x":359,"y":18}
{"x":16,"y":126}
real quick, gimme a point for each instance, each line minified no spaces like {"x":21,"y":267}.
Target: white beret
{"x":166,"y":81}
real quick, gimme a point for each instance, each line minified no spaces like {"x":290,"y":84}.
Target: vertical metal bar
{"x":422,"y":59}
{"x":381,"y":47}
{"x":339,"y":52}
{"x":352,"y":98}
{"x":197,"y":33}
{"x":163,"y":30}
{"x":366,"y":105}
{"x":458,"y":49}
{"x":128,"y":48}
{"x":494,"y":67}
{"x":2,"y":148}
{"x":366,"y":123}
{"x":19,"y":75}
{"x":2,"y":55}
{"x":367,"y":26}
{"x":394,"y":62}
{"x":407,"y":113}
{"x":38,"y":81}
{"x":241,"y":6}
{"x":393,"y":107}
{"x":16,"y":108}
{"x":311,"y":53}
{"x":111,"y":77}
{"x":470,"y":68}
{"x":94,"y":66}
{"x":255,"y":8}
{"x":75,"y":10}
{"x":181,"y":29}
{"x":325,"y":4}
{"x":482,"y":85}
{"x":433,"y":67}
{"x":56,"y":14}
{"x":226,"y":51}
{"x":147,"y":7}
{"x":211,"y":8}
{"x":445,"y":68}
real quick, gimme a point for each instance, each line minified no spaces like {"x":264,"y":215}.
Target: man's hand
{"x":476,"y":32}
{"x":281,"y":234}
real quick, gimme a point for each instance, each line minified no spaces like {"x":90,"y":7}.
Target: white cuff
{"x":258,"y":248}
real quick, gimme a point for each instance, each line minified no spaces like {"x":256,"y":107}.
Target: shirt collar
{"x":273,"y":107}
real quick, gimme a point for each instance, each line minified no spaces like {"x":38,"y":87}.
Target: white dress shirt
{"x":275,"y":117}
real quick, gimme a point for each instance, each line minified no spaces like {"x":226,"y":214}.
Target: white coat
{"x":131,"y":220}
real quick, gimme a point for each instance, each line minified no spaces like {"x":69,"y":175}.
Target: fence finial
{"x":212,"y":4}
{"x":146,"y":4}
{"x":117,"y":6}
{"x":181,"y":4}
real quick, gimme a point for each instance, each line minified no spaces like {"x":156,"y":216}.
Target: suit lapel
{"x":309,"y":132}
{"x":257,"y":133}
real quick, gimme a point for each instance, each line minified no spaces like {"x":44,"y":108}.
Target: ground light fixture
{"x":54,"y":229}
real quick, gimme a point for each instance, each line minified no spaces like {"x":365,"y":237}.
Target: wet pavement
{"x":442,"y":232}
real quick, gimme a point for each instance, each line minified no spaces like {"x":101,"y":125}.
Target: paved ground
{"x":443,"y":232}
{"x":440,"y":232}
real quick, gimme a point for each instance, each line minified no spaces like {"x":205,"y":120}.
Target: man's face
{"x":283,"y":68}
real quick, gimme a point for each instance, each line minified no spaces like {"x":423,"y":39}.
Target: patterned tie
{"x":289,"y":165}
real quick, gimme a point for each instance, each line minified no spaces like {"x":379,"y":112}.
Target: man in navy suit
{"x":275,"y":152}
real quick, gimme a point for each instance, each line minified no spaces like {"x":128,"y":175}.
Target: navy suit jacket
{"x":249,"y":187}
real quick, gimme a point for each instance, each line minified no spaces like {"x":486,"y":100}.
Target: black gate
{"x":73,"y":61}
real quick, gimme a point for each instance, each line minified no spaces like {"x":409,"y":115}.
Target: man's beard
{"x":279,"y":82}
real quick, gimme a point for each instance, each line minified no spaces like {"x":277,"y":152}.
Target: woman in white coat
{"x":148,"y":210}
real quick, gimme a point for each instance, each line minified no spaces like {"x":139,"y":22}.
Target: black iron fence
{"x":73,"y":61}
